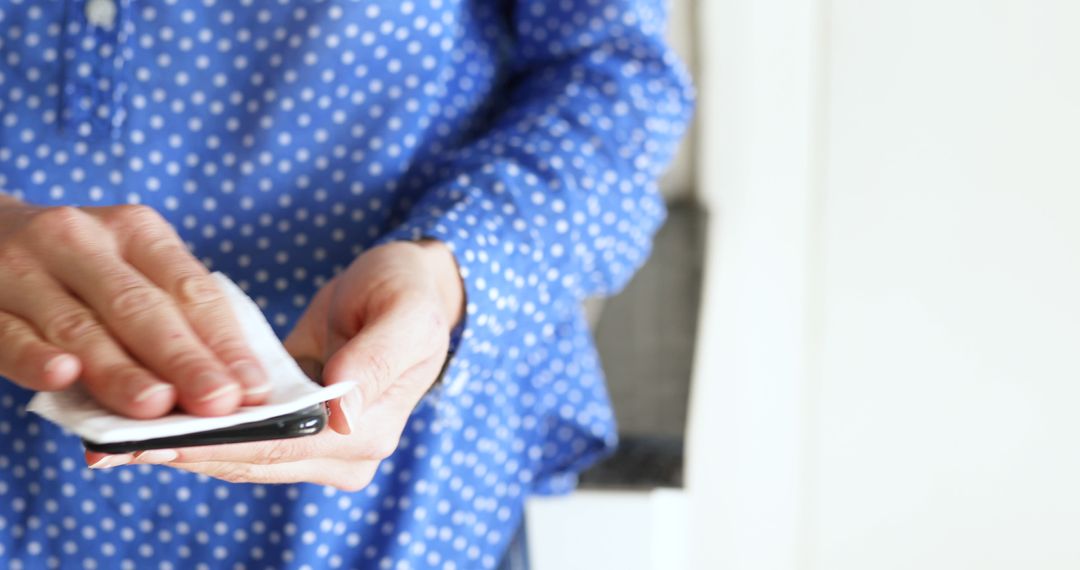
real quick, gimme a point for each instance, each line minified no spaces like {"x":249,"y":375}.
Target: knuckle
{"x":187,"y":363}
{"x":10,"y":330}
{"x":61,"y":215}
{"x":233,"y":472}
{"x":123,"y":374}
{"x":228,"y":348}
{"x":16,"y":263}
{"x":139,"y":225}
{"x":134,"y":301}
{"x":198,"y":290}
{"x":274,"y":452}
{"x":136,"y":216}
{"x":71,"y":327}
{"x":378,"y":369}
{"x":161,"y":244}
{"x":65,"y":224}
{"x":147,"y":232}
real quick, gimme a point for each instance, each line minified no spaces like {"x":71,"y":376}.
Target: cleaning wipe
{"x":291,"y":391}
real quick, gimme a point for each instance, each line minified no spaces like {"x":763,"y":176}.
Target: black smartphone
{"x":308,"y":421}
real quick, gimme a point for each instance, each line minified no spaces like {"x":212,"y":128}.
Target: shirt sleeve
{"x":557,"y":199}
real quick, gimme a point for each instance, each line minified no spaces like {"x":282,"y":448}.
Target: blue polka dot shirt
{"x":282,"y":138}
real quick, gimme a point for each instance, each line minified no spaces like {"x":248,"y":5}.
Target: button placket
{"x":98,"y":36}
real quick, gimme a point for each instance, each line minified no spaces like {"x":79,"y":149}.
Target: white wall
{"x":597,"y":530}
{"x":755,"y":123}
{"x":888,"y":375}
{"x":947,"y":422}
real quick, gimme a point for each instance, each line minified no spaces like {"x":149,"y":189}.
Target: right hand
{"x":110,"y":297}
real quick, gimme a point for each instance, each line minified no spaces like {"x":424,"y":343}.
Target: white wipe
{"x":291,"y":391}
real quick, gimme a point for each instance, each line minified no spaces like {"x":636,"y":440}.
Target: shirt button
{"x":101,"y":13}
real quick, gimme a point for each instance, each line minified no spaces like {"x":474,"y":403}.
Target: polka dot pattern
{"x":282,"y":138}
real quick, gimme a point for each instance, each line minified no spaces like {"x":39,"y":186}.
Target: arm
{"x":555,"y":202}
{"x":558,"y":201}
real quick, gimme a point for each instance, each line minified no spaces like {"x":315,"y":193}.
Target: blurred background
{"x":858,"y":344}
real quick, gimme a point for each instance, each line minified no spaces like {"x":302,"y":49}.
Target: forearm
{"x":566,"y":173}
{"x":558,"y":201}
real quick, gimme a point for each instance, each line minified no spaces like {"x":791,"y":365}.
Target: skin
{"x":384,"y":323}
{"x":111,"y":297}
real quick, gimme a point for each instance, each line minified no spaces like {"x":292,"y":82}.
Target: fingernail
{"x":224,"y":383}
{"x":152,"y":390}
{"x":350,"y":405}
{"x":252,"y":377}
{"x":62,"y":365}
{"x":110,"y":461}
{"x":257,"y":390}
{"x":156,"y":456}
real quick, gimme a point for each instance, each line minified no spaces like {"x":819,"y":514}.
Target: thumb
{"x":376,"y":357}
{"x":307,"y":340}
{"x":307,"y":344}
{"x":302,"y":346}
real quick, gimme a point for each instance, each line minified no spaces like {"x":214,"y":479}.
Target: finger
{"x":337,"y":419}
{"x":308,"y":337}
{"x":375,"y":434}
{"x":385,"y":348}
{"x":346,"y":476}
{"x":162,"y":258}
{"x":95,"y":460}
{"x":151,"y":327}
{"x":323,"y":444}
{"x":31,"y":362}
{"x":376,"y":440}
{"x":343,"y":411}
{"x":387,"y":415}
{"x":377,"y":431}
{"x":307,"y":343}
{"x":108,"y":373}
{"x":152,"y":247}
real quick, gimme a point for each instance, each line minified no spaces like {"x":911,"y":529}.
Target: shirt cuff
{"x":482,"y":241}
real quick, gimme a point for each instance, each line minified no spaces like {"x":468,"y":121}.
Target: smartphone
{"x":308,"y":421}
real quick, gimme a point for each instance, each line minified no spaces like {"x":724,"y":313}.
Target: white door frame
{"x":763,"y":87}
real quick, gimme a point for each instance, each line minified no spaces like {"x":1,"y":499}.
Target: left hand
{"x":385,"y":323}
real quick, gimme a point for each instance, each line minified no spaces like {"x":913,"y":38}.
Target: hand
{"x":112,"y":298}
{"x":384,"y":323}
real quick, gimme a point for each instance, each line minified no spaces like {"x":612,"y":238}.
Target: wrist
{"x":448,"y":279}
